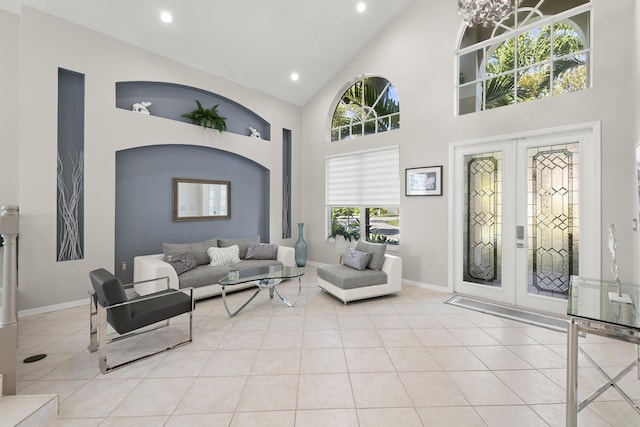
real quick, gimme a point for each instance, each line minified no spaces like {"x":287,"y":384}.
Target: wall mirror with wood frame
{"x":201,"y":199}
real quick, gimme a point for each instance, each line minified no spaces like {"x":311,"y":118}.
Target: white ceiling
{"x":256,"y":43}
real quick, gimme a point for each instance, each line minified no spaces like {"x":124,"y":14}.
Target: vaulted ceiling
{"x":256,"y":43}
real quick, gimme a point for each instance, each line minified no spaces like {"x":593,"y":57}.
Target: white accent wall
{"x":417,"y":54}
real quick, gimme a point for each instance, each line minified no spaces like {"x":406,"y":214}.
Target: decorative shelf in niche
{"x":171,"y":101}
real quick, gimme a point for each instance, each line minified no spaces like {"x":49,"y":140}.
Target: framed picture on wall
{"x":424,"y":181}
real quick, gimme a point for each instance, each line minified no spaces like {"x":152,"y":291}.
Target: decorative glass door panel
{"x":553,"y":227}
{"x":482,"y":232}
{"x":526,"y":217}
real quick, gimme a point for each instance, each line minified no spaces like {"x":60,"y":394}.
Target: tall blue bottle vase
{"x":301,"y":247}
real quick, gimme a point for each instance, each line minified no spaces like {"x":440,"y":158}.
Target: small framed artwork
{"x":426,"y":181}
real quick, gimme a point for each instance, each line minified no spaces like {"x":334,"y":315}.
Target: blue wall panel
{"x":143,"y":217}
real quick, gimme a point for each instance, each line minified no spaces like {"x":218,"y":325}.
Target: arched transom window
{"x":542,"y":48}
{"x":368,"y":106}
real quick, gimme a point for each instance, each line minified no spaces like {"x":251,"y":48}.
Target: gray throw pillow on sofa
{"x":262,"y":251}
{"x":182,"y":262}
{"x":356,"y":259}
{"x":243,"y":244}
{"x":377,"y":251}
{"x":198,"y":249}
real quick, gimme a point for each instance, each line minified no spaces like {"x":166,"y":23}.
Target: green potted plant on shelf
{"x":344,"y":235}
{"x":207,"y":118}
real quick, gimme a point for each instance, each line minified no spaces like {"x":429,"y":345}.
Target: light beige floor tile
{"x":96,"y":398}
{"x":450,"y":417}
{"x":410,"y":307}
{"x":200,"y":420}
{"x":269,"y":393}
{"x":436,"y":338}
{"x":181,"y":364}
{"x":242,"y":340}
{"x":323,"y":361}
{"x":154,"y":396}
{"x":505,"y":416}
{"x":589,"y":380}
{"x":544,"y":336}
{"x":383,"y":417}
{"x":413,"y":359}
{"x":388,"y":321}
{"x":286,"y":323}
{"x":272,"y":362}
{"x":264,"y":419}
{"x":230,"y":363}
{"x":421,"y":321}
{"x":473,"y":336}
{"x":456,"y":359}
{"x":368,"y":360}
{"x":77,"y":422}
{"x":555,"y":415}
{"x":325,"y":391}
{"x":376,"y":390}
{"x":157,"y":421}
{"x":532,"y":386}
{"x":357,"y":321}
{"x":282,"y":339}
{"x":205,"y":340}
{"x":212,"y":395}
{"x":33,"y":344}
{"x":538,"y":356}
{"x":432,"y":389}
{"x":510,"y":336}
{"x":37,"y":370}
{"x":327,"y":417}
{"x":63,"y":388}
{"x":399,"y":338}
{"x":330,"y":338}
{"x":484,"y":388}
{"x":498,"y":358}
{"x":618,"y":414}
{"x":613,"y":353}
{"x":320,"y":322}
{"x":361,"y":338}
{"x":488,"y":321}
{"x":451,"y":321}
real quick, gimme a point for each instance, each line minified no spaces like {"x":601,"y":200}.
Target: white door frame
{"x":590,"y":259}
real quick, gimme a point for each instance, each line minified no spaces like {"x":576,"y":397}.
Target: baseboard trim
{"x":429,"y":286}
{"x":54,"y":307}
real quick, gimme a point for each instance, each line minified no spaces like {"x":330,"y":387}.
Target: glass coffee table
{"x":266,"y":278}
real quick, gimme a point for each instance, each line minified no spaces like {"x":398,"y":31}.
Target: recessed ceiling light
{"x":166,"y":17}
{"x":361,"y":7}
{"x":295,"y":76}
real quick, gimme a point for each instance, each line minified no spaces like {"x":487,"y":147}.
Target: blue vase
{"x":301,"y":247}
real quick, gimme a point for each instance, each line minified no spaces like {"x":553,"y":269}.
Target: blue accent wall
{"x":143,"y":217}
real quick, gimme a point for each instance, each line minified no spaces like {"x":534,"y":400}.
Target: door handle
{"x":520,"y":232}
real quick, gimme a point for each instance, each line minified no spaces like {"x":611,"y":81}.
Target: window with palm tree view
{"x":367,"y":107}
{"x":542,"y":48}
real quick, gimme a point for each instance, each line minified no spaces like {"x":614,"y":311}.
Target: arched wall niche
{"x":143,"y":208}
{"x":171,"y":101}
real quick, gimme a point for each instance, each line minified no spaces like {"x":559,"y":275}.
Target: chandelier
{"x":485,"y":12}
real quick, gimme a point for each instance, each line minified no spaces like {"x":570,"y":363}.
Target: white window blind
{"x":365,"y":178}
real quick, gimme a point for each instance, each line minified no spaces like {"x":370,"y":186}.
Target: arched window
{"x":542,"y":48}
{"x":368,"y":106}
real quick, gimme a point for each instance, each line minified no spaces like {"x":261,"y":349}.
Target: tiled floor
{"x":407,"y":360}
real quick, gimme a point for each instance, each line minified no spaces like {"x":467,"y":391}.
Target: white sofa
{"x":348,"y":284}
{"x":148,"y":267}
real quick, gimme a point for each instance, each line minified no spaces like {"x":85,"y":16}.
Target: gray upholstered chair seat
{"x":347,"y":278}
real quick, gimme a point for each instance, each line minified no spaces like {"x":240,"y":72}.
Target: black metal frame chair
{"x":133,"y":316}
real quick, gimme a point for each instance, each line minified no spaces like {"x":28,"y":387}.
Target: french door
{"x":526,"y":217}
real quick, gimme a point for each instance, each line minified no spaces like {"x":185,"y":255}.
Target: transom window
{"x":368,"y":106}
{"x":542,"y":48}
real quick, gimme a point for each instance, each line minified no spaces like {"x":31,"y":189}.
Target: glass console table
{"x":591,"y":311}
{"x":266,"y":278}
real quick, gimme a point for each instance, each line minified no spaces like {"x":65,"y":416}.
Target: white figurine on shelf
{"x":141,"y":107}
{"x":254,"y":133}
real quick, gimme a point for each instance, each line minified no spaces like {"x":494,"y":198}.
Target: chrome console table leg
{"x":572,"y":374}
